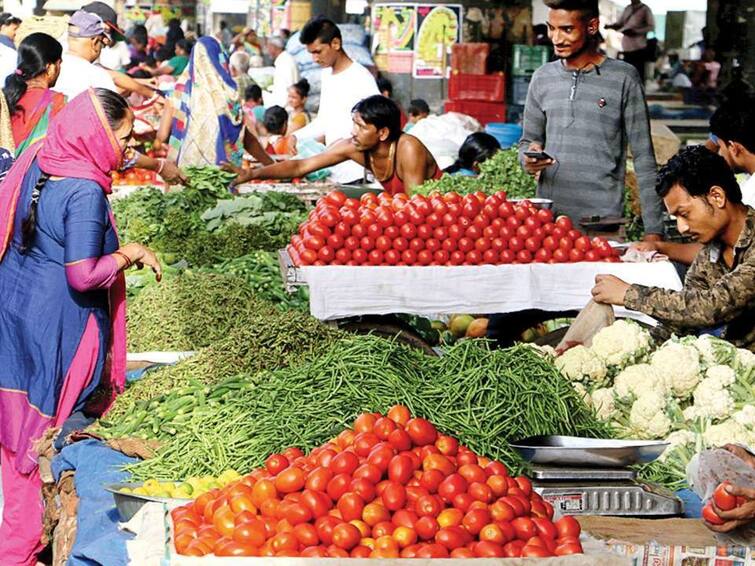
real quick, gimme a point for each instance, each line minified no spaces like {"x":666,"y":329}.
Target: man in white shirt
{"x":286,"y":73}
{"x":8,"y":62}
{"x":344,"y":83}
{"x":635,"y":23}
{"x":734,"y":129}
{"x":86,"y":38}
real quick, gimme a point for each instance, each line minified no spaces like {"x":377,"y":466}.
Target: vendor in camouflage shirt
{"x":719,"y":291}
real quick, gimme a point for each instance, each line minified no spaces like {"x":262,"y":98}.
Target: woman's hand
{"x":140,"y":256}
{"x":172,"y":173}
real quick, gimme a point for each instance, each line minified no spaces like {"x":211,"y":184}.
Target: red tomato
{"x":545,"y":528}
{"x":394,"y":496}
{"x":568,"y":526}
{"x":473,"y":232}
{"x":451,"y":537}
{"x":457,"y":257}
{"x":441,"y":257}
{"x":426,"y":527}
{"x":560,"y":256}
{"x":516,"y":244}
{"x":351,"y":506}
{"x":564,"y":222}
{"x":326,"y":254}
{"x":488,"y":549}
{"x":465,"y":244}
{"x":543,"y":256}
{"x":471,"y":206}
{"x":338,"y":486}
{"x":568,"y":548}
{"x":335,"y":241}
{"x":401,"y":468}
{"x":421,"y":431}
{"x":428,"y":506}
{"x":530,"y":551}
{"x":582,"y":243}
{"x":565,"y":244}
{"x":532,"y":244}
{"x":416,"y":244}
{"x":346,"y":536}
{"x":576,"y":256}
{"x":473,"y":258}
{"x":475,"y":520}
{"x":276,"y":463}
{"x":592,"y":255}
{"x":344,"y":463}
{"x":482,"y":244}
{"x":710,"y":516}
{"x":313,"y":243}
{"x":424,"y":257}
{"x":524,"y":256}
{"x":724,"y":500}
{"x":290,"y":480}
{"x":506,"y":256}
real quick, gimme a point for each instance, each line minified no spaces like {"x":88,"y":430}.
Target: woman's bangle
{"x":129,"y":263}
{"x":162,"y":166}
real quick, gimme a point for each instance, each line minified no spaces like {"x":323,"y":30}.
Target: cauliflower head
{"x":723,"y":375}
{"x":745,"y":358}
{"x":648,"y":416}
{"x":581,"y":364}
{"x":745,"y":416}
{"x":712,"y":399}
{"x":729,"y":431}
{"x":638,"y":380}
{"x":712,"y":350}
{"x":602,"y":401}
{"x":621,"y":343}
{"x":676,"y":440}
{"x":679,"y":365}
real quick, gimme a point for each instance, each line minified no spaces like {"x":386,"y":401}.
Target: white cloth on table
{"x":344,"y":291}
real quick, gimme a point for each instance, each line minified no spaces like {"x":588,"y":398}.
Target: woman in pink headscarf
{"x":62,"y":313}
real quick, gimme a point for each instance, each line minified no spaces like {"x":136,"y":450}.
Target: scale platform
{"x":586,"y":476}
{"x":603,"y":491}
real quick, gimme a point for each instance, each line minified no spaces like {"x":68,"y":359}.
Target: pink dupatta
{"x":79,"y":144}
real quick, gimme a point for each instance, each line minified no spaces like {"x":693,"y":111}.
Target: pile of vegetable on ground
{"x":392,"y":486}
{"x":695,"y":392}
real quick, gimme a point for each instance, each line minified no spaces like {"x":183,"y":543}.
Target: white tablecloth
{"x":342,"y":291}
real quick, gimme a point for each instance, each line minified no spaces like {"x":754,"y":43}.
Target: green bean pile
{"x":189,"y":311}
{"x":484,"y":397}
{"x":265,"y":339}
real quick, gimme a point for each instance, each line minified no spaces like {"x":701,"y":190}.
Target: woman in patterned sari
{"x":31,"y":102}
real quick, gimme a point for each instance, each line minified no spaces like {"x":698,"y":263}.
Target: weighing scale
{"x":587,"y":476}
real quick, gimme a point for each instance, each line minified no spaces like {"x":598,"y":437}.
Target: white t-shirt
{"x":748,"y":191}
{"x":115,"y":57}
{"x":77,"y":75}
{"x":286,"y":74}
{"x":338,"y":95}
{"x":8,"y":62}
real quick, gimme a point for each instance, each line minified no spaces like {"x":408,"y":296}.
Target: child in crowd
{"x":254,"y":110}
{"x":476,"y":149}
{"x":276,"y":125}
{"x":298,"y":117}
{"x":418,"y":110}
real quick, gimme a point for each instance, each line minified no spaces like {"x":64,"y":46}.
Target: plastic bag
{"x":307,"y":148}
{"x":591,"y":320}
{"x":707,"y":470}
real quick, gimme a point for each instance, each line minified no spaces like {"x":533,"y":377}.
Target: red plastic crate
{"x":487,"y":88}
{"x":469,"y":58}
{"x":483,"y":112}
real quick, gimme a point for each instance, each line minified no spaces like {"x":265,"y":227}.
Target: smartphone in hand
{"x":541,"y":155}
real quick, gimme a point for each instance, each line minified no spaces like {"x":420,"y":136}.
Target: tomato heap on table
{"x":440,"y":229}
{"x":390,"y":487}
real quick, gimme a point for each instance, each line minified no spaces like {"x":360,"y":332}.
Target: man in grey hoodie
{"x":583,"y":110}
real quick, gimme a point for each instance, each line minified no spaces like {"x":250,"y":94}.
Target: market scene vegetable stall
{"x":236,"y":330}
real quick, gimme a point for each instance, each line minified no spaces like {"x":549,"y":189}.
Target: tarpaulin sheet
{"x":98,"y":538}
{"x":344,"y":291}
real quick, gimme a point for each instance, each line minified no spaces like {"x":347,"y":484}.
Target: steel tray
{"x":584,"y":452}
{"x":128,"y":504}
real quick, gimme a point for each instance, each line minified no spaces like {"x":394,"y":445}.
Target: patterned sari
{"x":208,"y":120}
{"x":30,"y":122}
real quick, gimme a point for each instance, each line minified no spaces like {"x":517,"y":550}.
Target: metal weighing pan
{"x":129,"y":503}
{"x":588,"y":452}
{"x":356,"y":191}
{"x":538,"y":202}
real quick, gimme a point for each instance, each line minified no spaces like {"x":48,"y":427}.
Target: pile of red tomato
{"x":390,"y":487}
{"x":134,"y":176}
{"x":439,"y":229}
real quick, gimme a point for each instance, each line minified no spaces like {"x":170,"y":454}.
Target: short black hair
{"x":696,"y":169}
{"x":301,"y":87}
{"x":319,"y":28}
{"x":381,"y":112}
{"x":8,"y":19}
{"x":589,"y":8}
{"x":477,"y":148}
{"x":384,"y":85}
{"x":275,"y":120}
{"x":418,"y":106}
{"x":253,"y":92}
{"x":184,"y":44}
{"x":735,"y":124}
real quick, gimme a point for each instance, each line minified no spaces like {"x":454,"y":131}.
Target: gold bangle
{"x":129,"y":263}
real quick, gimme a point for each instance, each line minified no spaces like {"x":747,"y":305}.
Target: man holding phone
{"x":582,"y":112}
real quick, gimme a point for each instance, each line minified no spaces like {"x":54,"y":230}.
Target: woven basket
{"x":55,"y":26}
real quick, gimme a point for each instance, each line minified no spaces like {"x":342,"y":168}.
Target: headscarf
{"x":79,"y":144}
{"x":208,"y":117}
{"x":30,"y":125}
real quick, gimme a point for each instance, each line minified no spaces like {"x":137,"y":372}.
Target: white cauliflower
{"x":712,"y":350}
{"x":679,"y":365}
{"x":621,"y":343}
{"x":581,"y":364}
{"x":603,"y":402}
{"x":745,"y":416}
{"x":745,"y":358}
{"x":712,"y":398}
{"x":723,"y":375}
{"x":648,"y":415}
{"x":676,"y":439}
{"x":546,"y":351}
{"x":729,"y":431}
{"x":638,"y":380}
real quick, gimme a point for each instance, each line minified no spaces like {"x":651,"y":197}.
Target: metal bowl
{"x":356,"y":191}
{"x":587,"y":452}
{"x":538,"y":202}
{"x":128,"y":504}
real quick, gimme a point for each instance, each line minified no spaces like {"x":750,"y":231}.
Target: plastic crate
{"x":469,"y":58}
{"x":488,"y":88}
{"x":483,"y":112}
{"x":519,"y":88}
{"x":526,"y":59}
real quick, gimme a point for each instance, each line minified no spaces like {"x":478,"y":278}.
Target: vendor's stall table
{"x":307,"y":192}
{"x":341,"y":291}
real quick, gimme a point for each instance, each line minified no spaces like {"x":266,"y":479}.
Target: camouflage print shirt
{"x":714,"y":295}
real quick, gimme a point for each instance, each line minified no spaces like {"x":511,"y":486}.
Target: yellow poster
{"x":438,"y":28}
{"x":393,"y":32}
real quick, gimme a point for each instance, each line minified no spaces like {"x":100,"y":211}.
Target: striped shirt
{"x":585,"y":120}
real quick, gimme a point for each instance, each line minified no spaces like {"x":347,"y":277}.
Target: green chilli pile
{"x":484,"y":397}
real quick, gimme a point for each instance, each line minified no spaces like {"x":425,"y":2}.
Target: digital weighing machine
{"x":588,"y":476}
